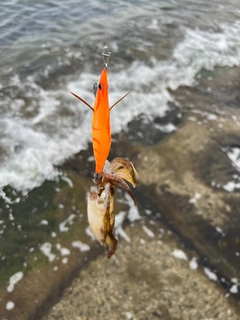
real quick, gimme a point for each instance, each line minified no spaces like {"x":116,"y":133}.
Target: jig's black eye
{"x":97,"y":86}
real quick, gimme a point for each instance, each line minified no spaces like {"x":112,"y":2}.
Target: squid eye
{"x":100,"y":86}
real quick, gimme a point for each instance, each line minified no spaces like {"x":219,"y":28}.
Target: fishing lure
{"x":100,"y":209}
{"x":101,"y":130}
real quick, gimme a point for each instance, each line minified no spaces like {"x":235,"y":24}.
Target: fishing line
{"x":106,"y":53}
{"x":106,"y":30}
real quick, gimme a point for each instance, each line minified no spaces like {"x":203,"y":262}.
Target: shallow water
{"x":50,"y":48}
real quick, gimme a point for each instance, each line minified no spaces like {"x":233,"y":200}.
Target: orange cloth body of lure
{"x":101,"y":130}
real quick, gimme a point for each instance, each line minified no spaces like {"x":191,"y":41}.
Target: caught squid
{"x":101,"y":216}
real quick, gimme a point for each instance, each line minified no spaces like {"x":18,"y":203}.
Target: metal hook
{"x":106,"y":55}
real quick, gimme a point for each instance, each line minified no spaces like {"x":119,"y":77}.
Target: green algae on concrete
{"x":37,"y":219}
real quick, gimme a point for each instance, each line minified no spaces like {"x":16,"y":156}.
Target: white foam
{"x":231,"y":186}
{"x":234,"y":156}
{"x":169,"y":127}
{"x":69,"y":181}
{"x":211,"y":275}
{"x":46,"y":249}
{"x":148,"y":232}
{"x":128,"y":315}
{"x":118,"y":229}
{"x":34,"y":146}
{"x":13,"y":280}
{"x":234,"y":280}
{"x":43,"y":222}
{"x":218,"y":229}
{"x":234,"y":289}
{"x":69,"y":221}
{"x":196,"y":197}
{"x":63,"y":251}
{"x":193,"y":263}
{"x":204,"y":49}
{"x":148,"y":212}
{"x":89,"y":233}
{"x":180,"y":254}
{"x":10,"y":305}
{"x":133,"y":212}
{"x":65,"y":260}
{"x":80,"y":245}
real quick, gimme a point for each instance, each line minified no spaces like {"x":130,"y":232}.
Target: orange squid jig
{"x":101,"y":128}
